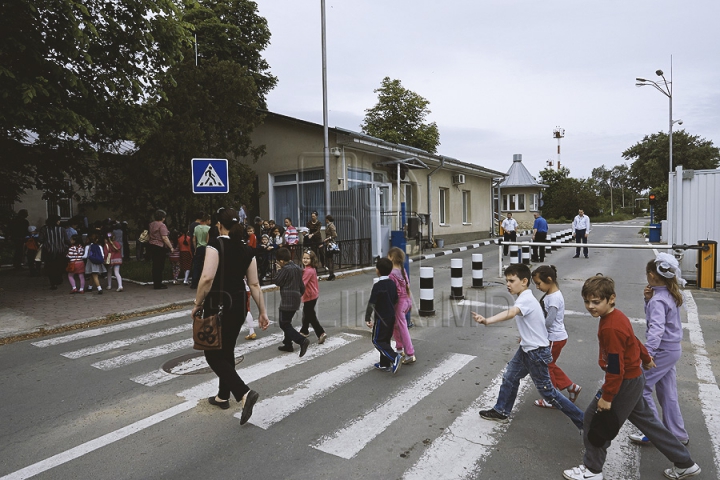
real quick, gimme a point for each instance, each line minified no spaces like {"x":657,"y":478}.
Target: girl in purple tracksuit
{"x":664,"y":334}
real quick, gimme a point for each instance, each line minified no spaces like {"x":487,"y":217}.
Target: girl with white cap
{"x":664,"y":334}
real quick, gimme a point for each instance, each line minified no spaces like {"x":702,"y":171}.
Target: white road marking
{"x":109,"y":329}
{"x":623,"y":456}
{"x":92,"y":445}
{"x":707,"y":386}
{"x":127,"y":359}
{"x":161,"y":376}
{"x":353,"y":437}
{"x":270,"y":411}
{"x":263,"y":369}
{"x":462,"y":448}
{"x":104,"y":347}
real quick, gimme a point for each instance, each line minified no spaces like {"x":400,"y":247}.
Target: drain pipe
{"x":429,"y":195}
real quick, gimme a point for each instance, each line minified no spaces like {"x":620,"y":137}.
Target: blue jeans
{"x":535,"y":362}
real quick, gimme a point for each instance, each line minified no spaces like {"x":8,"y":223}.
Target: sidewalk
{"x":28,"y":306}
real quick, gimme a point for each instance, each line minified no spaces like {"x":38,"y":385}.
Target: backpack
{"x":31,"y":244}
{"x":95,"y":254}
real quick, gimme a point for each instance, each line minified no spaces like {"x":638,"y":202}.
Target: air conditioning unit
{"x":458,"y":179}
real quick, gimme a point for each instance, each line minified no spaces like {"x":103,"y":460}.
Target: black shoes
{"x":287,"y":348}
{"x":224,"y":405}
{"x":250,"y":400}
{"x":304,"y":346}
{"x":576,"y":256}
{"x":330,"y":278}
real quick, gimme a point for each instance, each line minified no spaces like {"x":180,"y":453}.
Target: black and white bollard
{"x":456,"y":280}
{"x":526,"y":254}
{"x":427,"y":292}
{"x":477,"y":270}
{"x":514,"y":254}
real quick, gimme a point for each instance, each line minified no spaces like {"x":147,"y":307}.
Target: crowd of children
{"x":632,"y":369}
{"x":626,"y":393}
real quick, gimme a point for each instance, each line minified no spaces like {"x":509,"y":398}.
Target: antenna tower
{"x":558,"y":133}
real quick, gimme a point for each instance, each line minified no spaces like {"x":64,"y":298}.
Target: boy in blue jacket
{"x":382,"y":303}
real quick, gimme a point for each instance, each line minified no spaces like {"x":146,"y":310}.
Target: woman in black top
{"x":54,"y":249}
{"x":312,"y":238}
{"x":227,"y":261}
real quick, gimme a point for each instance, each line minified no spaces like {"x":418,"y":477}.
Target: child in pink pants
{"x":403,"y":305}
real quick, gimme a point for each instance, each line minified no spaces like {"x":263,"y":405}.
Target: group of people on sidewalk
{"x":69,"y":250}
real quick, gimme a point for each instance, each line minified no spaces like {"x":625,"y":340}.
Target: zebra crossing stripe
{"x":263,"y":369}
{"x":104,"y":347}
{"x":161,"y":376}
{"x":355,"y":435}
{"x":462,"y":448}
{"x":270,"y":411}
{"x":159,"y":351}
{"x":707,"y":385}
{"x":96,"y":444}
{"x":109,"y":329}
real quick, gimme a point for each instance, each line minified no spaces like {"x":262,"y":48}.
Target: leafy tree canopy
{"x":213,"y":107}
{"x":565,"y":195}
{"x":650,"y":157}
{"x":399,"y":117}
{"x":77,"y":78}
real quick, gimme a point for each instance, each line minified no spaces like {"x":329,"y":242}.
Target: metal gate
{"x":357,"y":219}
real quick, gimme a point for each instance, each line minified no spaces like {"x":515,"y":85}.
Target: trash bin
{"x":655,"y":231}
{"x":440,"y":242}
{"x":706,"y":266}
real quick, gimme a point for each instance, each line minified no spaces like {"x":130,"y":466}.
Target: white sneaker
{"x":581,"y":473}
{"x":639,"y":438}
{"x":676,"y":473}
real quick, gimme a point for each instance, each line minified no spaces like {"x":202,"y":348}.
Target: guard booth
{"x":693,"y":217}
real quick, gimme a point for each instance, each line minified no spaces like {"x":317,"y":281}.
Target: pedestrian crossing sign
{"x":210,"y":175}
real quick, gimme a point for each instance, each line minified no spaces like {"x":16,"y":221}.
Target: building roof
{"x":518,"y":175}
{"x":391,"y":150}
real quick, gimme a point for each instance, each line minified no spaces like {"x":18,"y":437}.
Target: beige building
{"x":520,"y":194}
{"x":452,"y":199}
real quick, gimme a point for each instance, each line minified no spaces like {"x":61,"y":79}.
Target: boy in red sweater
{"x":620,"y":355}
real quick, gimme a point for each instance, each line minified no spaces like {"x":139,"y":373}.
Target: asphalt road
{"x":96,"y":404}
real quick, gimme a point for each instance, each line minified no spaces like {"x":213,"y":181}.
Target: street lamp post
{"x":666,"y":89}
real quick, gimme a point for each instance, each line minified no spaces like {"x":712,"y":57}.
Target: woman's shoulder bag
{"x":207,"y":331}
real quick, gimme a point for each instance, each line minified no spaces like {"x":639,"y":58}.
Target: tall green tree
{"x":650,"y":162}
{"x":77,"y":78}
{"x":565,"y":195}
{"x":213,"y":108}
{"x":650,"y":157}
{"x":400,"y":117}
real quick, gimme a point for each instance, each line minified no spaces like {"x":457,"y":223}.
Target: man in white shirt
{"x":581,"y":230}
{"x":509,"y":226}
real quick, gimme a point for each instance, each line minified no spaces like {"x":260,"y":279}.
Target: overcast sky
{"x":501,"y":75}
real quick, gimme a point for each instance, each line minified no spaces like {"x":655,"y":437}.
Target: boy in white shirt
{"x":534,"y":353}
